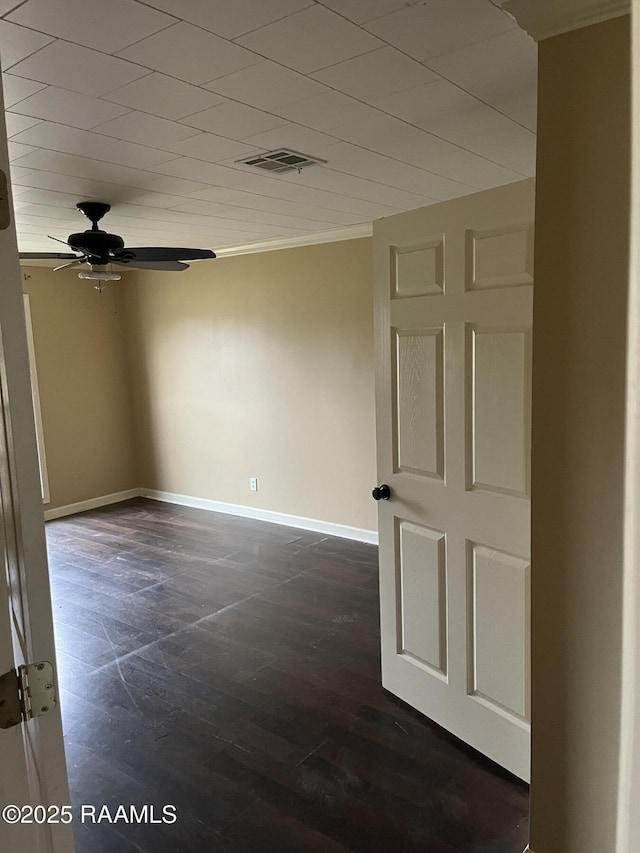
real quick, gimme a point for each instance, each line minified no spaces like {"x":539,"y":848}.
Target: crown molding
{"x":542,"y":19}
{"x":349,"y":232}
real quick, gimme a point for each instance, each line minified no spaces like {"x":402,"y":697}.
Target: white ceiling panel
{"x":376,"y":74}
{"x":164,"y":96}
{"x":229,"y":18}
{"x":441,"y":26}
{"x":18,"y":150}
{"x":209,"y":147}
{"x":145,"y":129}
{"x":16,"y":43}
{"x":516,"y":97}
{"x":9,"y":5}
{"x":295,"y":42}
{"x":81,"y":188}
{"x":423,"y":182}
{"x":197,"y":170}
{"x":354,"y":160}
{"x":272,"y":189}
{"x":408,"y":144}
{"x":85,"y":22}
{"x":488,"y":133}
{"x":78,"y":69}
{"x":66,"y":107}
{"x":317,"y":223}
{"x":445,"y":110}
{"x":190,"y":54}
{"x":423,"y":105}
{"x":360,"y":11}
{"x":152,"y":201}
{"x":489,"y":61}
{"x":82,"y":167}
{"x":49,"y":197}
{"x":16,"y":89}
{"x":237,"y":121}
{"x":17,"y":123}
{"x":266,"y":85}
{"x":60,"y":137}
{"x":338,"y":182}
{"x":130,"y":154}
{"x":324,"y":112}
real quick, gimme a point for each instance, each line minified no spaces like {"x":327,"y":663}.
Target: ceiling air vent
{"x":282,"y":160}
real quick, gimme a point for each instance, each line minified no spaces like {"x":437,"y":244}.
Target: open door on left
{"x":32,"y":764}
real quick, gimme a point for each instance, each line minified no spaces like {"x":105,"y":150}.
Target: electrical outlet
{"x":253,"y":484}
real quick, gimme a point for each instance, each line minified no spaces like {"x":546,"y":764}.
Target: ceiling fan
{"x":98,"y":248}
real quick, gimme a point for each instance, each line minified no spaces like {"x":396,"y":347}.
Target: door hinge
{"x":26,"y":692}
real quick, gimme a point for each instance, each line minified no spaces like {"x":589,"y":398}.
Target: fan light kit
{"x":98,"y":248}
{"x":100,"y":275}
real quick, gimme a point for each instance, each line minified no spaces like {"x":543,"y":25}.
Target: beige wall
{"x":581,"y":261}
{"x":84,"y":389}
{"x":259,"y":366}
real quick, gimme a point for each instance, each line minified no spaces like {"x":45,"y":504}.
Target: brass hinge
{"x":26,"y":692}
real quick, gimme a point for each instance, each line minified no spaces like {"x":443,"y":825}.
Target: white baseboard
{"x":314,"y":524}
{"x":92,"y":503}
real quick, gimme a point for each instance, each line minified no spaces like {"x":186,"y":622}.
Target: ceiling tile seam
{"x":242,"y":222}
{"x":75,"y":44}
{"x":440,"y":174}
{"x":422,"y":130}
{"x":88,"y":129}
{"x":247,"y":206}
{"x":195,"y":26}
{"x":97,"y":50}
{"x":28,"y":55}
{"x":368,"y":21}
{"x":509,"y":18}
{"x":293,"y":219}
{"x":240,"y":35}
{"x":301,"y":203}
{"x":485,"y":103}
{"x":11,"y":11}
{"x":420,"y":62}
{"x":107,"y":182}
{"x":309,"y":74}
{"x":15,"y":104}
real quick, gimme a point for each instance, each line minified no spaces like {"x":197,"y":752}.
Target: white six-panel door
{"x":453,"y":349}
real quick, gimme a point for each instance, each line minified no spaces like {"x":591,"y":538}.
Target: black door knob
{"x":381,"y":493}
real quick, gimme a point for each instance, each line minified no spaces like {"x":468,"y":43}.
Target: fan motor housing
{"x":96,"y":243}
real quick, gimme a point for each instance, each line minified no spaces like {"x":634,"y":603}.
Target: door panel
{"x":423,"y":601}
{"x":453,"y":352}
{"x":418,"y":402}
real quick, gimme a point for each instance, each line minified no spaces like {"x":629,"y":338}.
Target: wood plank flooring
{"x":231,"y":668}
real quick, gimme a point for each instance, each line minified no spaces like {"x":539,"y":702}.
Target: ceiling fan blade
{"x":63,"y":256}
{"x":152,"y":265}
{"x":58,"y":240}
{"x":158,"y":253}
{"x":70,"y":264}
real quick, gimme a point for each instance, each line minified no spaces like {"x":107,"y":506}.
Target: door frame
{"x":21,"y":515}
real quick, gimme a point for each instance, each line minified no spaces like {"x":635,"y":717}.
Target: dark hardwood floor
{"x":230,"y":668}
